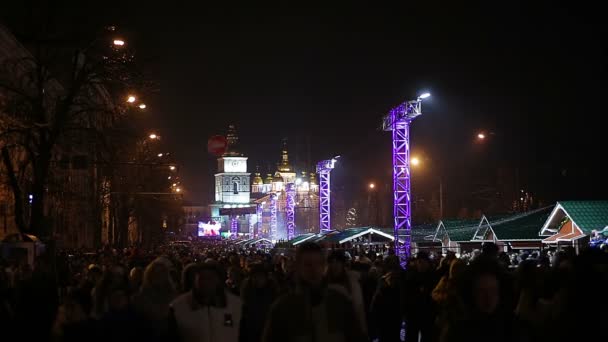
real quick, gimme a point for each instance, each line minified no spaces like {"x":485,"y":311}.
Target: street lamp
{"x":172,"y":168}
{"x":481,"y":136}
{"x":416,"y":162}
{"x":118,"y":42}
{"x":153,"y":136}
{"x":424,"y":95}
{"x":159,"y":155}
{"x":142,"y":106}
{"x":131,"y":99}
{"x":372,"y":185}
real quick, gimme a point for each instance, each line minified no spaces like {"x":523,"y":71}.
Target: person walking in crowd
{"x":346,"y":281}
{"x":208,"y":312}
{"x":419,"y":310}
{"x":152,"y":301}
{"x":258,"y":293}
{"x":386,"y":313}
{"x":488,"y":316}
{"x":312,"y":311}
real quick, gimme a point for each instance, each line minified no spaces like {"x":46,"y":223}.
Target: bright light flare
{"x":178,"y":189}
{"x":481,"y":136}
{"x":372,"y":185}
{"x":118,"y":42}
{"x":172,"y":168}
{"x":159,"y":155}
{"x":153,"y":136}
{"x":424,"y":95}
{"x":142,"y":106}
{"x":131,"y":98}
{"x":415,"y":161}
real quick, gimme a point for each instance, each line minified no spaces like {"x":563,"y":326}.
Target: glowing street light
{"x":481,"y":136}
{"x":131,"y":99}
{"x":153,"y":136}
{"x":415,"y":161}
{"x":159,"y":155}
{"x":142,"y":106}
{"x":424,"y":95}
{"x":172,"y":168}
{"x":372,"y":185}
{"x":178,"y":189}
{"x":118,"y":42}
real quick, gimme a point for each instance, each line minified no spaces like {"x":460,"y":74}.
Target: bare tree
{"x":53,"y":90}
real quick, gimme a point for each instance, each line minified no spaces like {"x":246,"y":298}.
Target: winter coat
{"x":293,"y":318}
{"x":355,"y":294}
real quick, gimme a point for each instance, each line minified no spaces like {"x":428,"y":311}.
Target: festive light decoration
{"x":398,"y":121}
{"x":273,"y":216}
{"x":290,"y":192}
{"x":324,"y":168}
{"x":234,"y":227}
{"x":251,"y":226}
{"x":259,"y":211}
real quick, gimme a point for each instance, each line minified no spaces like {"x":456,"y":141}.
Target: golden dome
{"x":277,"y":178}
{"x":257,"y":179}
{"x":268,"y":179}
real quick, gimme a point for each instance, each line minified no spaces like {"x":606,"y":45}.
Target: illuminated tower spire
{"x":284,"y":164}
{"x":232,"y":139}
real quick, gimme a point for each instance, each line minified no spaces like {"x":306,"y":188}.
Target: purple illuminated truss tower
{"x":234,"y":227}
{"x":273,"y":216}
{"x":398,"y":120}
{"x":259,"y":212}
{"x":324,"y":168}
{"x":251,"y":226}
{"x":290,"y":199}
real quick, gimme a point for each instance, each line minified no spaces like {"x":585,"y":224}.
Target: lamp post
{"x":416,"y":161}
{"x":372,"y":206}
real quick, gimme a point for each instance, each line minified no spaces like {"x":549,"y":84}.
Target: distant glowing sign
{"x":211,"y":228}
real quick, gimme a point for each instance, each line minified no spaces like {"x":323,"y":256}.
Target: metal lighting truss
{"x":324,"y":168}
{"x":251,"y":226}
{"x":273,"y":216}
{"x":259,"y":211}
{"x":234,"y":227}
{"x":398,"y":120}
{"x":290,"y":193}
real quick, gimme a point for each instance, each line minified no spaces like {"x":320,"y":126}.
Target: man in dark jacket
{"x":258,"y":294}
{"x":419,"y":310}
{"x":312,"y":312}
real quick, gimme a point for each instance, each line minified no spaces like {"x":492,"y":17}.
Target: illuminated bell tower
{"x":232,"y":179}
{"x":284,"y":168}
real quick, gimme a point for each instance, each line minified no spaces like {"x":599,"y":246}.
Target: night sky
{"x":534,"y":75}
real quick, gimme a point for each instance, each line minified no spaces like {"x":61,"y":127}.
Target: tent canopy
{"x":456,"y":230}
{"x":354,"y":233}
{"x":515,"y":227}
{"x":585,"y":216}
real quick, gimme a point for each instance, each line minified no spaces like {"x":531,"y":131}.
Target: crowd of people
{"x":212,"y":292}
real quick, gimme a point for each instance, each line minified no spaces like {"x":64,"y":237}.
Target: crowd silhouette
{"x":212,"y":292}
